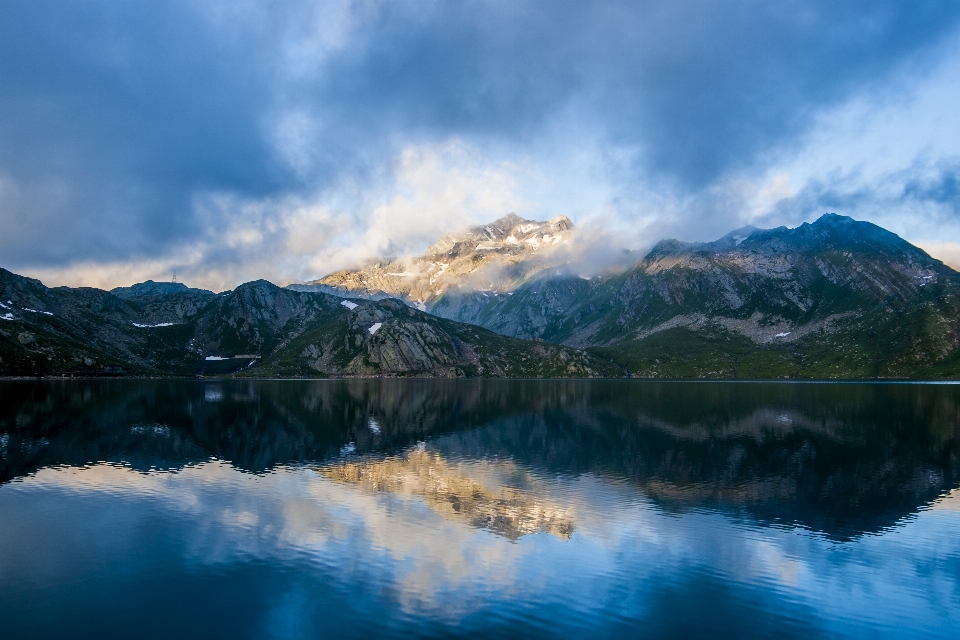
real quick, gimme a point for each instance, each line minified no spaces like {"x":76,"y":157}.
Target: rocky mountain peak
{"x":836,"y":231}
{"x":487,"y":258}
{"x":510,"y":232}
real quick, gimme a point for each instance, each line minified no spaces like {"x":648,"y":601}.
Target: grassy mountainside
{"x":258,"y":329}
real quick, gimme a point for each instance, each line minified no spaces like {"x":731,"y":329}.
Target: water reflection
{"x":457,"y":493}
{"x":478,"y":508}
{"x":840,"y":459}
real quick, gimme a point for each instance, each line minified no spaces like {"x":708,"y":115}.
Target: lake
{"x":479,"y":508}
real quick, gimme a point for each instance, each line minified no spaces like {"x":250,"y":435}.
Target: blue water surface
{"x":417,"y":508}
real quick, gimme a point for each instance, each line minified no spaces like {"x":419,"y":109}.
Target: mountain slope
{"x":84,"y":330}
{"x":257,"y":329}
{"x":835,"y":298}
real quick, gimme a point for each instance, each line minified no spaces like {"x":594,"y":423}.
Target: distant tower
{"x":174,"y":277}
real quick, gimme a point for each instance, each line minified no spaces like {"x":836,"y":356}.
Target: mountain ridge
{"x":258,"y":329}
{"x":771,"y":300}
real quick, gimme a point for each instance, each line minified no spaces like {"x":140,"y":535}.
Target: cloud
{"x":427,"y":191}
{"x":129,"y":132}
{"x":918,"y":202}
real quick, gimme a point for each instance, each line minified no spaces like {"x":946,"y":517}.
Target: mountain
{"x":485,"y":260}
{"x":835,"y":298}
{"x":258,"y":329}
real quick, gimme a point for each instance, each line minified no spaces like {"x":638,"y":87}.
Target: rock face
{"x":488,"y":260}
{"x":258,"y":329}
{"x":388,"y":337}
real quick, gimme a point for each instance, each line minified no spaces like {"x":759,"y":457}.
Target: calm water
{"x":476,"y":508}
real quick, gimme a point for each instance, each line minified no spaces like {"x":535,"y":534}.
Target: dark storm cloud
{"x":699,"y":86}
{"x":115,"y":117}
{"x":125,"y":109}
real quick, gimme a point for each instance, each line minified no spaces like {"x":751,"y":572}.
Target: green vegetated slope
{"x":833,"y":299}
{"x":258,"y":329}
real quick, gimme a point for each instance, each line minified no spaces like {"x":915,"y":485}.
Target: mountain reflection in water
{"x":427,"y":507}
{"x":844,"y":459}
{"x":453,"y":494}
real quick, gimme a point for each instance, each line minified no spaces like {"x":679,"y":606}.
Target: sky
{"x":229,"y":141}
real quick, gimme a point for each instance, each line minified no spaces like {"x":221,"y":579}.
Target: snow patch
{"x":374,"y":328}
{"x":374,"y":425}
{"x":526,"y":228}
{"x":7,"y":316}
{"x":442,"y":267}
{"x":215,"y":358}
{"x":35,"y":311}
{"x":151,"y":326}
{"x":783,"y":335}
{"x":4,"y":306}
{"x":348,"y":304}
